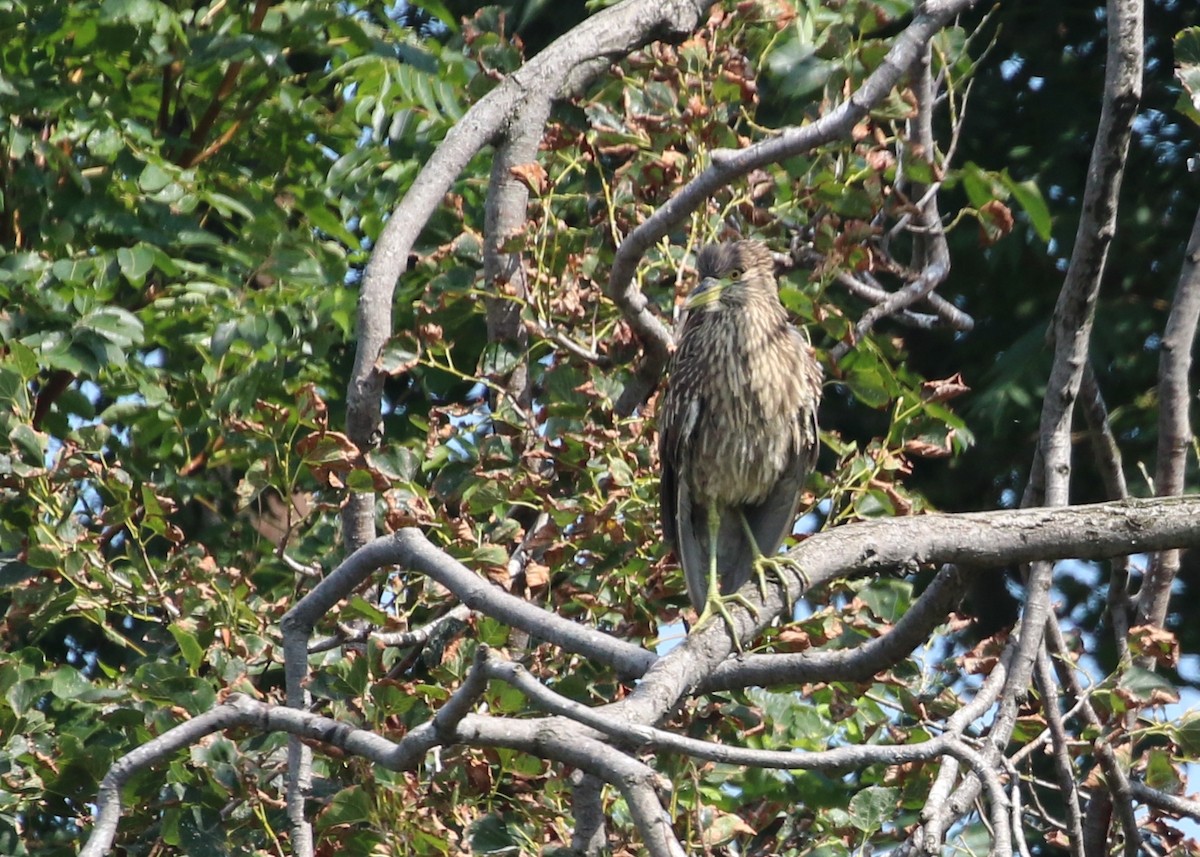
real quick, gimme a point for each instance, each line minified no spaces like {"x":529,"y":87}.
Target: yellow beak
{"x":707,"y":291}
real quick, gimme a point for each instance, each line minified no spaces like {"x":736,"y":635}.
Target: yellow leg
{"x":776,"y":565}
{"x":715,"y":604}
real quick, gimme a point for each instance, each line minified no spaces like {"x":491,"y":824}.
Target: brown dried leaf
{"x":479,"y":775}
{"x":995,"y":221}
{"x":537,"y":575}
{"x":1159,"y":643}
{"x":945,"y":389}
{"x":724,"y":828}
{"x":925,"y":449}
{"x":533,"y":176}
{"x":794,"y":639}
{"x":881,"y":159}
{"x":983,"y":658}
{"x":430,"y":332}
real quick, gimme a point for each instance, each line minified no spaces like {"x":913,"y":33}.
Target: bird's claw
{"x":776,"y":566}
{"x":716,"y":605}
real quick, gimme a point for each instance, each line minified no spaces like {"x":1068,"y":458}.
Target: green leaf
{"x":25,"y":360}
{"x":360,"y":481}
{"x":888,"y":599}
{"x":490,"y":835}
{"x":153,"y":177}
{"x":1187,"y":46}
{"x":67,"y":683}
{"x":1147,"y":686}
{"x":29,"y":442}
{"x":1187,"y":733}
{"x":869,"y":385}
{"x":492,"y":555}
{"x":116,"y":325}
{"x":189,"y":646}
{"x":1030,"y":198}
{"x":135,"y":262}
{"x":25,"y":695}
{"x":202,"y":832}
{"x":14,"y":572}
{"x":349,"y":806}
{"x":873,"y":806}
{"x":1161,"y":774}
{"x":360,"y":608}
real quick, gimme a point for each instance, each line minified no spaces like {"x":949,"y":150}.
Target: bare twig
{"x":944,"y":803}
{"x":1060,"y":753}
{"x":931,"y":249}
{"x":865,"y":287}
{"x":1162,"y":800}
{"x":1108,"y":461}
{"x":1174,"y":424}
{"x":396,"y":639}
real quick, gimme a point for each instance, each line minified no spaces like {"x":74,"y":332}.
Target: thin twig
{"x":1174,"y":423}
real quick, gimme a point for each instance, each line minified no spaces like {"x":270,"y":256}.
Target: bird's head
{"x":729,"y":273}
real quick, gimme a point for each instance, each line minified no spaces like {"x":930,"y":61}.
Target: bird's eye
{"x":735,"y":274}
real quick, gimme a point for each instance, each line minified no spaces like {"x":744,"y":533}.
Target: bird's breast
{"x":743,"y":418}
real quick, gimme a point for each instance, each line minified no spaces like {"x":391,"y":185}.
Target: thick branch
{"x":650,"y":738}
{"x":504,"y":215}
{"x":860,"y":663}
{"x":990,"y":538}
{"x":637,"y":782}
{"x":1071,"y":331}
{"x":409,"y":549}
{"x":983,"y":539}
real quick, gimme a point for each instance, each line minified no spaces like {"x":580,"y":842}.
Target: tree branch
{"x":1071,"y":330}
{"x":860,"y":663}
{"x":1063,"y":765}
{"x":930,"y":247}
{"x":1174,"y":422}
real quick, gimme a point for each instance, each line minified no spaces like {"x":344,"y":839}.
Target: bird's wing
{"x":668,"y":459}
{"x":735,"y":557}
{"x":691,"y":544}
{"x":684,"y":522}
{"x":772,"y":519}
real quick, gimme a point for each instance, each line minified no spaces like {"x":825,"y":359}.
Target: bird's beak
{"x":707,"y":291}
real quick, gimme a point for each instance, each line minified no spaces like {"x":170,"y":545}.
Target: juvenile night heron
{"x":737,"y":427}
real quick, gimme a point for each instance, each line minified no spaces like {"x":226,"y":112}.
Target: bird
{"x":738,"y":432}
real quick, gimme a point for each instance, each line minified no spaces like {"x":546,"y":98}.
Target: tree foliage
{"x":198,"y":204}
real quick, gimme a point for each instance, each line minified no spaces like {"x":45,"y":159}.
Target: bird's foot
{"x":718,"y":605}
{"x":777,"y":566}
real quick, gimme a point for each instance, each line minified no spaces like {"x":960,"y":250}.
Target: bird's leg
{"x":714,"y":602}
{"x":776,"y":565}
